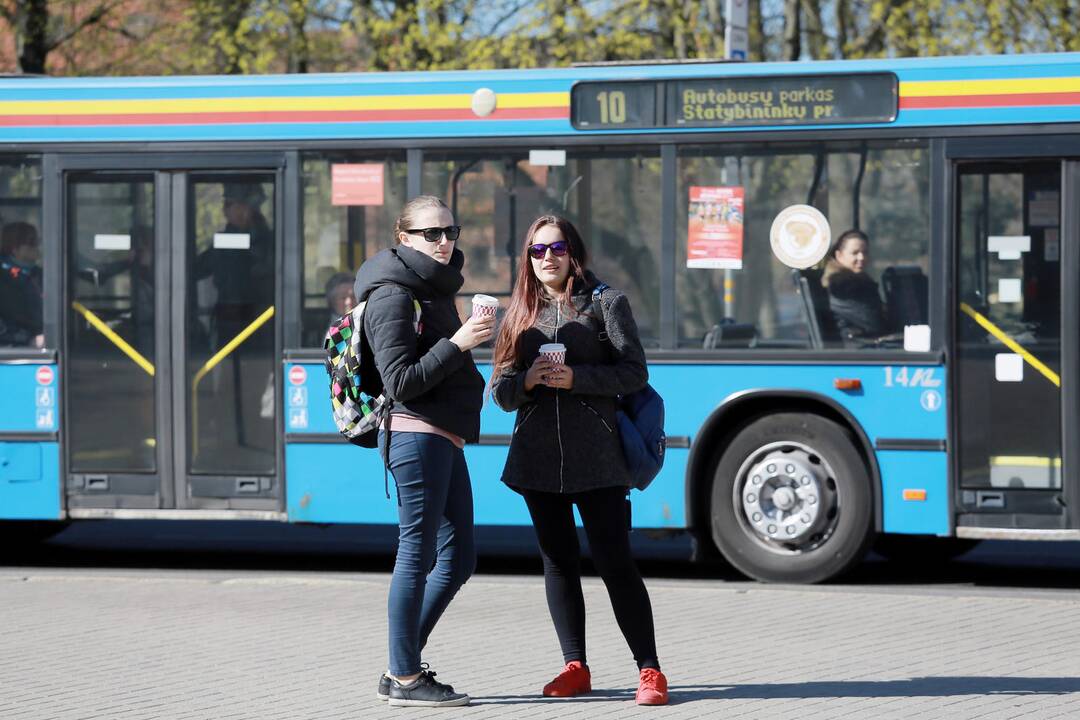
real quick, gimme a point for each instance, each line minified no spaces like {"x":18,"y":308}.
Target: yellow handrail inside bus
{"x":116,"y":340}
{"x":210,"y":364}
{"x":1011,"y":344}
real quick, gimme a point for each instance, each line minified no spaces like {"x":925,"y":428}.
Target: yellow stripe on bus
{"x":275,"y":104}
{"x":115,"y":339}
{"x":1016,"y":86}
{"x":1011,"y":344}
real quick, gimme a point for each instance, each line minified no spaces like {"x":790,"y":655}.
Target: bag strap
{"x":389,"y":404}
{"x":598,"y":308}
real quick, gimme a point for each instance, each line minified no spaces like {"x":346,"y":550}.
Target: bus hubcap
{"x":787,"y":496}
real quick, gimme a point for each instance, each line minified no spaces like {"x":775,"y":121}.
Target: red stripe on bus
{"x":1004,"y":100}
{"x":302,"y":116}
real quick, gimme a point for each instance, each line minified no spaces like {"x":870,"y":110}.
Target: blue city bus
{"x":173,"y":250}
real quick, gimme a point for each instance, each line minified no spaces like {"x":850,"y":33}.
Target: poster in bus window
{"x":356,"y":184}
{"x":715,"y":228}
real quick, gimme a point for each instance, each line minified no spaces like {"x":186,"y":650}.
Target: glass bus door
{"x":1009,"y":345}
{"x":170,"y":365}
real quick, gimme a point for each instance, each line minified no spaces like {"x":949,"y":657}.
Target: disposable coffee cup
{"x":554,"y":352}
{"x":484,"y":306}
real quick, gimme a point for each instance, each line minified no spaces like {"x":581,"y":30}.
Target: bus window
{"x":20,"y":253}
{"x":750,"y":299}
{"x":613,"y":198}
{"x":347,"y":218}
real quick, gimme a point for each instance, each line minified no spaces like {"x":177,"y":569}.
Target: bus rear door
{"x":1015,"y":330}
{"x":169,"y":362}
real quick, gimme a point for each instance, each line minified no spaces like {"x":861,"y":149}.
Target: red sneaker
{"x":653,"y":688}
{"x":575,"y":679}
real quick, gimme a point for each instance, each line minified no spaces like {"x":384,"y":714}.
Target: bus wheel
{"x":791,"y":500}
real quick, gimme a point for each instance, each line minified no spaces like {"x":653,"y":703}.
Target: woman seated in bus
{"x":340,"y":297}
{"x":437,"y":393}
{"x":20,"y":286}
{"x":853,"y":295}
{"x":565,"y":449}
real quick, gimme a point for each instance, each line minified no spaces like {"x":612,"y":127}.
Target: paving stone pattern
{"x":220,"y":645}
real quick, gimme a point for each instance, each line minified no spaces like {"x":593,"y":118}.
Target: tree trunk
{"x":792,"y":30}
{"x":756,"y":31}
{"x":815,"y":29}
{"x":31,"y":35}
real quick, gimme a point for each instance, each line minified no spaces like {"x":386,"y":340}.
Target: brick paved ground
{"x":232,"y":644}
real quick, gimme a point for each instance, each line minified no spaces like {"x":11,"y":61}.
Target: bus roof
{"x":948,"y":91}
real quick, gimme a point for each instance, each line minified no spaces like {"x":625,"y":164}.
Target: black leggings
{"x":603,"y":513}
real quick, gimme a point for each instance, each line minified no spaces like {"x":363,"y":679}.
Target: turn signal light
{"x":847,"y":384}
{"x":917,"y":495}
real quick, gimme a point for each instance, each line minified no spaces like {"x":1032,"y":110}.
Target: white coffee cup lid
{"x":552,"y":348}
{"x":485,"y":300}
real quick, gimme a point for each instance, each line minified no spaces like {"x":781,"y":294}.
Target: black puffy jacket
{"x":568,"y":440}
{"x":427,"y":376}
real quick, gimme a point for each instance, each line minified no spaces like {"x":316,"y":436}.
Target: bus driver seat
{"x":815,"y":302}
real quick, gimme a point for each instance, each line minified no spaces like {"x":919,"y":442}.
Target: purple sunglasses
{"x":537,"y":251}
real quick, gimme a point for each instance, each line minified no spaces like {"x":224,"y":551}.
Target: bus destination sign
{"x":736,"y":102}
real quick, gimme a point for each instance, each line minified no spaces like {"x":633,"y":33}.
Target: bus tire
{"x":791,"y":500}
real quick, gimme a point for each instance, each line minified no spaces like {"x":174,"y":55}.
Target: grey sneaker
{"x":425,"y":691}
{"x":383,"y":692}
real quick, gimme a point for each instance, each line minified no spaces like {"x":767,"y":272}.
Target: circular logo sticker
{"x":44,"y":375}
{"x":297,"y":375}
{"x":800,"y":236}
{"x":930,"y":400}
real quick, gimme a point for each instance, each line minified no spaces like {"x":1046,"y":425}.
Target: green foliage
{"x":263,"y":36}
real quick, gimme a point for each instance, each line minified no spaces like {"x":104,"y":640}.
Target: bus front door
{"x":1008,"y":351}
{"x":169,"y":366}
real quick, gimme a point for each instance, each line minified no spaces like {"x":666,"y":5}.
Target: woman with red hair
{"x":566,"y":451}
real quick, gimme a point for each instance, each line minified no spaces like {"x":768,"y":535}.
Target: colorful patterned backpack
{"x":356,"y":389}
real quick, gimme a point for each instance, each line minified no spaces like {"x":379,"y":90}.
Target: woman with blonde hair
{"x":436,"y":394}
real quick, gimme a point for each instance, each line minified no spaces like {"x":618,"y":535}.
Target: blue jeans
{"x":436,"y":551}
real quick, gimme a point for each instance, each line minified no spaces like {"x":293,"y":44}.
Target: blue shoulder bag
{"x":641,"y":422}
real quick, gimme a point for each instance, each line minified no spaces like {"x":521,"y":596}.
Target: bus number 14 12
{"x":915,"y":377}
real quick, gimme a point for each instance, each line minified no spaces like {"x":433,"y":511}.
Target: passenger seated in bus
{"x":340,"y":297}
{"x":20,"y":286}
{"x":854,"y":298}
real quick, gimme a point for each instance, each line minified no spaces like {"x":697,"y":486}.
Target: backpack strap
{"x":598,"y":308}
{"x":389,"y":405}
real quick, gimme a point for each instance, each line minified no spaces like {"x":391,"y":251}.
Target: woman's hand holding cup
{"x":476,"y":331}
{"x":480,"y":326}
{"x":536,"y":374}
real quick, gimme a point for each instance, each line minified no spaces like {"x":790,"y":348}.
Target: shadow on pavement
{"x":912,"y":687}
{"x":250,"y":545}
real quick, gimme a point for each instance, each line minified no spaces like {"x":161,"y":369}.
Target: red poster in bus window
{"x":715,"y":228}
{"x":356,"y":184}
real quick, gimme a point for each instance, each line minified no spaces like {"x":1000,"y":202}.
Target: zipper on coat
{"x":525,"y":418}
{"x":596,"y":412}
{"x":558,"y":424}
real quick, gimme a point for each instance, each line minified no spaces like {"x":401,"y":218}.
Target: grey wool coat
{"x":567,"y":441}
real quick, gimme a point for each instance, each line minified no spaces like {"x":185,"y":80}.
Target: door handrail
{"x":99,"y":325}
{"x":1010,"y":343}
{"x":210,"y":364}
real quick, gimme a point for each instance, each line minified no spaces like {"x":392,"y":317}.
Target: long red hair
{"x":528,"y":296}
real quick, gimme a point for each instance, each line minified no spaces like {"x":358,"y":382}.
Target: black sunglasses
{"x":558,"y":248}
{"x":434,"y":234}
